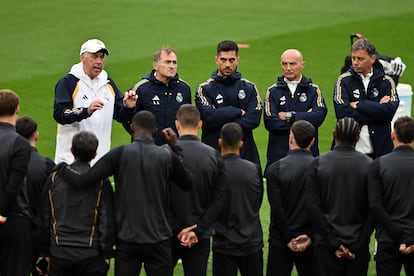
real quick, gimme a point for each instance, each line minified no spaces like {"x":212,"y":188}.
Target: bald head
{"x":292,"y":64}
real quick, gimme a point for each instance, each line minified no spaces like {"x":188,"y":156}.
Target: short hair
{"x":9,"y":101}
{"x":26,"y":126}
{"x":347,"y":131}
{"x":226,"y":46}
{"x":84,"y":146}
{"x":144,"y":119}
{"x":404,"y":129}
{"x":364,"y":44}
{"x":188,"y":115}
{"x":231,"y":134}
{"x":304,"y":132}
{"x":167,"y":50}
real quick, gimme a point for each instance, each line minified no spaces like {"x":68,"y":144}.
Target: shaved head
{"x":292,"y":64}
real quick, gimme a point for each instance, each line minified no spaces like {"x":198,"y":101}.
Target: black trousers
{"x":156,"y":258}
{"x":251,"y":265}
{"x":95,"y":266}
{"x":280,"y":261}
{"x":194,"y":259}
{"x":389,"y":260}
{"x":15,"y":247}
{"x":328,"y":264}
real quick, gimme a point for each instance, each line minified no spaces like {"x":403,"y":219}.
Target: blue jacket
{"x":309,"y":105}
{"x":349,"y":88}
{"x":220,"y":101}
{"x":162,"y":100}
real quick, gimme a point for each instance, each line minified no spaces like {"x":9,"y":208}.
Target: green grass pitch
{"x":40,"y":41}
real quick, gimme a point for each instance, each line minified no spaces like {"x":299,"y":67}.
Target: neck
{"x":9,"y":119}
{"x":188,"y":131}
{"x":162,"y":79}
{"x":225,"y":150}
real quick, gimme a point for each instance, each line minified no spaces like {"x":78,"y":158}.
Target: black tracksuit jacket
{"x":287,"y":193}
{"x":203,"y":203}
{"x":238,"y":229}
{"x":391,"y":190}
{"x":143,"y":173}
{"x":339,"y":198}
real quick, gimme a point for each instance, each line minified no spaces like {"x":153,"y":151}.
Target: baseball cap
{"x":93,"y":46}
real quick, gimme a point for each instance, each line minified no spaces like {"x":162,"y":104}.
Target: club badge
{"x":374,"y":92}
{"x":356,"y":93}
{"x":179,"y":97}
{"x":303,"y":98}
{"x":242,"y":94}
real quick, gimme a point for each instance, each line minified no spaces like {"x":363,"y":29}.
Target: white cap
{"x":93,"y":46}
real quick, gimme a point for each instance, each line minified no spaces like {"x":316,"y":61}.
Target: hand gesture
{"x":94,"y":106}
{"x":300,"y":243}
{"x":130,"y":99}
{"x":187,"y":236}
{"x":170,"y":136}
{"x":343,"y":252}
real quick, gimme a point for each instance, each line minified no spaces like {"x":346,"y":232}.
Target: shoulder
{"x":207,"y":83}
{"x":140,"y":84}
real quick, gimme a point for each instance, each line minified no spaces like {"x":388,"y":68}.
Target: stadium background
{"x":40,"y":41}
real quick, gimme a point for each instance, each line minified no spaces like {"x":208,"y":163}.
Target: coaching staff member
{"x":227,"y":97}
{"x":143,"y":172}
{"x":391,"y":189}
{"x":162,"y":91}
{"x":339,"y":205}
{"x":15,"y":228}
{"x":291,"y":229}
{"x":366,"y":94}
{"x":203,"y":203}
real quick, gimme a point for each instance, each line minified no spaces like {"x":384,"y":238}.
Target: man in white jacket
{"x":87,"y":99}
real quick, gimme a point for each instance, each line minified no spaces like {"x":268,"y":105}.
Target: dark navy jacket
{"x":162,"y":100}
{"x":349,"y":88}
{"x":220,"y":101}
{"x":307,"y":102}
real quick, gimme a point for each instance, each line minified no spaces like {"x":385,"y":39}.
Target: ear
{"x":220,"y":142}
{"x":155,"y":65}
{"x":312,"y":142}
{"x":393,"y":135}
{"x":154,"y":131}
{"x":36,"y":136}
{"x":177,"y":124}
{"x":241,"y":144}
{"x":199,"y":124}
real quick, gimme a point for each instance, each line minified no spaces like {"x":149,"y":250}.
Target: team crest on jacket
{"x":356,"y":93}
{"x":303,"y":98}
{"x":375,"y":92}
{"x":219,"y":99}
{"x":179,"y":97}
{"x":282,"y":100}
{"x":242,"y":94}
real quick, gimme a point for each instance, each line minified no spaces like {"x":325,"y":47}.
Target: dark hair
{"x":26,"y":126}
{"x":364,"y":44}
{"x":226,"y":46}
{"x":347,"y":131}
{"x":9,"y":101}
{"x":404,"y":129}
{"x":304,"y":132}
{"x":144,"y":119}
{"x":167,"y":50}
{"x":188,"y":115}
{"x":231,"y":134}
{"x":84,"y":145}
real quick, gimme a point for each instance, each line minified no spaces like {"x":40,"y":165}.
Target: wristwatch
{"x":290,"y":116}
